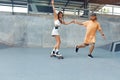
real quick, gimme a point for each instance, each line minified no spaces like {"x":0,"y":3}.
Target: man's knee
{"x":92,"y":44}
{"x":84,"y":44}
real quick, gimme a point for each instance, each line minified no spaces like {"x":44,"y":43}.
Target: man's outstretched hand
{"x":103,"y":36}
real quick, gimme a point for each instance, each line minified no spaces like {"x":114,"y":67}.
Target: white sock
{"x":54,"y":49}
{"x":57,"y":50}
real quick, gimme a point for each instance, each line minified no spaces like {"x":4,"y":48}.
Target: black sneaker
{"x":76,"y":50}
{"x":89,"y":55}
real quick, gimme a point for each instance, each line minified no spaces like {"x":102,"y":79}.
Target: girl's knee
{"x":60,"y":42}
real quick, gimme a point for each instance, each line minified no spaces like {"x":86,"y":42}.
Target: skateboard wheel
{"x":52,"y":56}
{"x":61,"y":57}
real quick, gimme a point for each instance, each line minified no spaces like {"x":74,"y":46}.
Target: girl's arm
{"x":54,"y":10}
{"x":66,"y":23}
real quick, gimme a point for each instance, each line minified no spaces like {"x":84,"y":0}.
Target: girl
{"x":58,"y":20}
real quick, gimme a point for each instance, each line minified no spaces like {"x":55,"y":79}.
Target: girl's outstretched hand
{"x":52,"y":2}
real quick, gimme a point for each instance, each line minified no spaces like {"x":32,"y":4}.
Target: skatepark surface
{"x":36,"y":64}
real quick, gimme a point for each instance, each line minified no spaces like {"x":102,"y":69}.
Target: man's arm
{"x":79,"y":23}
{"x":102,"y":34}
{"x":101,"y":31}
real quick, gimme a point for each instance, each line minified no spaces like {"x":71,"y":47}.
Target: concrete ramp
{"x":113,"y":46}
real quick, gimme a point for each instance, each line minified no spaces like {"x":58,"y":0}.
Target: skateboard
{"x":59,"y":57}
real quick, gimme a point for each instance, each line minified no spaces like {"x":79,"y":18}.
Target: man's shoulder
{"x":87,"y":21}
{"x":97,"y":22}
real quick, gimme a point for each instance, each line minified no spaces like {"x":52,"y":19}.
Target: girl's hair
{"x":59,"y":17}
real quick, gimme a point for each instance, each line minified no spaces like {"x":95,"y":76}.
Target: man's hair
{"x":93,"y":14}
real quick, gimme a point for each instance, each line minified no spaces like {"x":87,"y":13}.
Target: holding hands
{"x":73,"y":21}
{"x":76,"y":22}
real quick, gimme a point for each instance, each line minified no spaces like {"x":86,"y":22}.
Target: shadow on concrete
{"x":4,"y":46}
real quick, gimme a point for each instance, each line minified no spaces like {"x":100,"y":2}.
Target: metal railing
{"x":40,"y":6}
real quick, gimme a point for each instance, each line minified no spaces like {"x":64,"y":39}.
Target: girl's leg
{"x":58,"y":42}
{"x":57,"y":45}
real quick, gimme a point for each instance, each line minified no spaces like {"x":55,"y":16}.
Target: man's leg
{"x":81,"y":46}
{"x":92,"y":46}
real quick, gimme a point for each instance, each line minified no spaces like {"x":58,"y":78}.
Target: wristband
{"x":102,"y":34}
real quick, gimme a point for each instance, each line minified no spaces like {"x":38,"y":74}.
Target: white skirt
{"x":55,"y":32}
